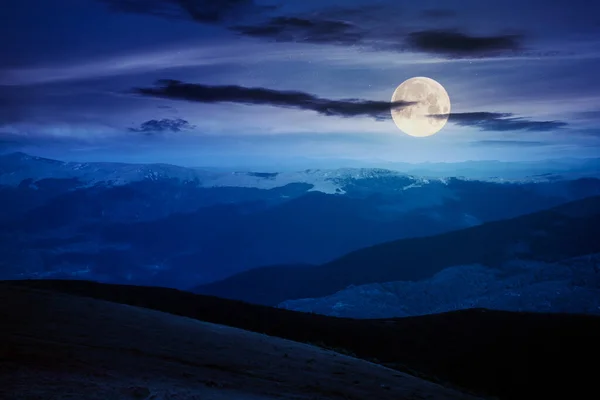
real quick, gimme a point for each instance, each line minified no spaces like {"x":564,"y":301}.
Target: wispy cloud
{"x":500,"y":122}
{"x":365,"y":26}
{"x":173,"y":89}
{"x":14,"y":141}
{"x":379,"y":36}
{"x":438,"y":13}
{"x":157,"y":126}
{"x":510,"y":143}
{"x":114,"y":65}
{"x":204,"y":11}
{"x":297,"y":29}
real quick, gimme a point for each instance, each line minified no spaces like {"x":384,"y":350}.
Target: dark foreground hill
{"x":566,"y":231}
{"x":60,"y":346}
{"x":502,"y":354}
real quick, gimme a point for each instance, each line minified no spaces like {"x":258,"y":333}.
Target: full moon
{"x":429,"y":97}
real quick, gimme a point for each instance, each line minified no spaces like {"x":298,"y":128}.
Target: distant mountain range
{"x":564,"y":168}
{"x":162,"y":224}
{"x":563,"y":232}
{"x":16,"y":167}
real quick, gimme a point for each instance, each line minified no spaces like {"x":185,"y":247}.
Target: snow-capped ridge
{"x":16,"y":167}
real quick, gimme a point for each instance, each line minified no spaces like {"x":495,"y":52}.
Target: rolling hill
{"x":506,"y":355}
{"x":60,"y":346}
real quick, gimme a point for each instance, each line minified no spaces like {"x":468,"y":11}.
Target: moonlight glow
{"x":430,"y":98}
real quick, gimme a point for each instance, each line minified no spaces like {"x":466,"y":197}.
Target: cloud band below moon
{"x":177,"y":90}
{"x":500,"y":122}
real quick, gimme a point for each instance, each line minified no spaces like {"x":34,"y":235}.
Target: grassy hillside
{"x":503,"y":354}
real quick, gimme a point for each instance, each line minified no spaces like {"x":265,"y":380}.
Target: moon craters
{"x":430,"y":98}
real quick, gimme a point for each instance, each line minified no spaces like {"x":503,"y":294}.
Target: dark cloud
{"x":456,"y":43}
{"x":368,"y":12}
{"x":501,"y":122}
{"x":204,"y":11}
{"x":510,"y":143}
{"x":155,"y":126}
{"x":295,"y":29}
{"x":381,"y":35}
{"x":367,"y":27}
{"x":173,"y":89}
{"x":438,"y":13}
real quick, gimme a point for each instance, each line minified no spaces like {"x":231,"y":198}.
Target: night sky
{"x":248,"y":82}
